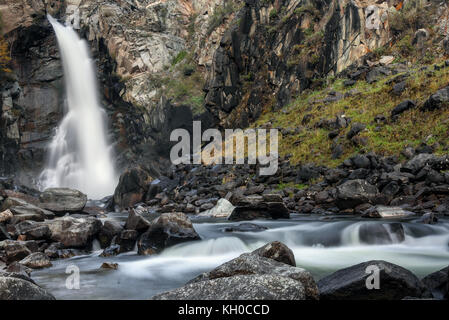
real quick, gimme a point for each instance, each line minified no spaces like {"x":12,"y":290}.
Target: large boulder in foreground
{"x":241,"y":287}
{"x":17,"y":287}
{"x":268,"y":206}
{"x":260,"y":271}
{"x":74,"y":232}
{"x":438,"y":283}
{"x":165,"y":231}
{"x":62,"y":200}
{"x":354,"y":192}
{"x":395,"y":283}
{"x":132,"y":187}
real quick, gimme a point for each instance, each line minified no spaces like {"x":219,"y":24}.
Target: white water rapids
{"x":320,"y":247}
{"x":79,"y":154}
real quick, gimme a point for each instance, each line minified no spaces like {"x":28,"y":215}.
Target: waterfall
{"x":79,"y":154}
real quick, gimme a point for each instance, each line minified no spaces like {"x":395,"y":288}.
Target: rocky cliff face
{"x":254,"y":55}
{"x":276,"y":49}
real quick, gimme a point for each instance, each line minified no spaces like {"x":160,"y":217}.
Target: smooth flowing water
{"x":79,"y":154}
{"x":321,"y":247}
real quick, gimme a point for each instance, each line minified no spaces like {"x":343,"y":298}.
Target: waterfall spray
{"x":79,"y":154}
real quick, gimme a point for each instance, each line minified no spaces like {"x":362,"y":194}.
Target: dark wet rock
{"x":437,"y":100}
{"x":438,"y":283}
{"x":356,"y":128}
{"x":36,"y":260}
{"x":277,"y":251}
{"x":399,"y":88}
{"x":4,"y":235}
{"x":415,"y":164}
{"x":109,"y":265}
{"x":19,"y":268}
{"x":108,"y":231}
{"x":381,"y":233}
{"x":308,"y":172}
{"x":377,"y":73}
{"x":127,"y":240}
{"x":429,"y":218}
{"x":395,"y":283}
{"x":355,"y":192}
{"x":52,"y":250}
{"x":112,"y":250}
{"x":14,"y":288}
{"x":33,"y":230}
{"x":361,"y":162}
{"x":240,"y":287}
{"x":132,"y":187}
{"x":23,"y":211}
{"x":246,"y":227}
{"x":167,"y":230}
{"x":139,"y":220}
{"x":74,"y":232}
{"x":402,"y":107}
{"x":256,"y":207}
{"x":15,"y":250}
{"x":62,"y":200}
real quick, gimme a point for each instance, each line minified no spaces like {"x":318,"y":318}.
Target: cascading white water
{"x":79,"y":154}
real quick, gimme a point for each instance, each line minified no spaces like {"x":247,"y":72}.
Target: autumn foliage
{"x":5,"y":58}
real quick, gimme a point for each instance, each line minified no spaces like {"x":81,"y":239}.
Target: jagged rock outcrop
{"x":282,"y":47}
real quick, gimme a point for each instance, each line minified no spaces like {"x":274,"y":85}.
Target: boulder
{"x":438,"y":283}
{"x":402,"y":107}
{"x":381,"y":233}
{"x":132,"y":187}
{"x":240,"y":287}
{"x":387,"y":212}
{"x":15,"y":250}
{"x":108,"y":231}
{"x":33,"y":231}
{"x":23,"y":211}
{"x":126,"y":240}
{"x":418,"y":162}
{"x":5,"y":216}
{"x":36,"y":260}
{"x":265,"y":261}
{"x":395,"y":283}
{"x":260,"y":207}
{"x":277,"y":251}
{"x":437,"y":100}
{"x":356,"y":128}
{"x":74,"y":232}
{"x":16,"y":267}
{"x":136,"y":221}
{"x":222,"y":209}
{"x":63,"y":200}
{"x":14,"y":288}
{"x":354,"y":192}
{"x":167,"y":230}
{"x":246,"y":227}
